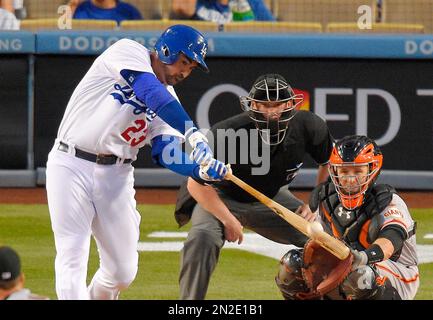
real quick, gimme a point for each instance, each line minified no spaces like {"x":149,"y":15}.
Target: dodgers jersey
{"x":103,"y":114}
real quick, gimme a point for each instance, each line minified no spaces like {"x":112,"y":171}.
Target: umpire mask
{"x":271,"y":104}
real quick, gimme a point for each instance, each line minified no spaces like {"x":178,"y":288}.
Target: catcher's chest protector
{"x":353,"y":226}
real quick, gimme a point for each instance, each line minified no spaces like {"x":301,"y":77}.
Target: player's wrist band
{"x":374,"y":254}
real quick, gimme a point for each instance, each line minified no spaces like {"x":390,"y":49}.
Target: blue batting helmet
{"x":182,"y":39}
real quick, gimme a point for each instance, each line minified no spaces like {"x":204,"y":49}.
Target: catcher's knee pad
{"x":362,"y":284}
{"x":289,"y":278}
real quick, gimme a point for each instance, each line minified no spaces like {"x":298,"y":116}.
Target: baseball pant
{"x":85,"y":199}
{"x":201,"y":250}
{"x":405,"y":279}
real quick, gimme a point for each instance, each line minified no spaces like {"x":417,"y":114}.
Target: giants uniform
{"x":103,"y":117}
{"x":359,"y":228}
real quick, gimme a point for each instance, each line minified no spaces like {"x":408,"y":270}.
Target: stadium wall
{"x":377,"y":85}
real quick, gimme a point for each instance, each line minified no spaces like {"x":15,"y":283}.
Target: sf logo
{"x":341,"y":211}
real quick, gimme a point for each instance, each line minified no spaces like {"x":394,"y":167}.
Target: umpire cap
{"x":271,"y":87}
{"x":10,"y":265}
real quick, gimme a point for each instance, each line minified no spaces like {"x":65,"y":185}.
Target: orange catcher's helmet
{"x":354,"y":165}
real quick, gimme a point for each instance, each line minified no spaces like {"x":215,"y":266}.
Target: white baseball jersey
{"x":103,"y":114}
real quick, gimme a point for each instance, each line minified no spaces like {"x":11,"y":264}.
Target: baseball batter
{"x":125,"y":101}
{"x":373,"y":221}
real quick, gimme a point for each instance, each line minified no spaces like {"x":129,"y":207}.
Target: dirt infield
{"x":168,"y":196}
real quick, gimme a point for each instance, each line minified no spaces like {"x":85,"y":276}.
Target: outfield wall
{"x":375,"y":85}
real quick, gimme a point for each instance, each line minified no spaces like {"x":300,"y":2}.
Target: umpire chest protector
{"x":355,"y":227}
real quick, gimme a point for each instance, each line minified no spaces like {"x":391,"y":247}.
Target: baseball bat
{"x":333,"y":245}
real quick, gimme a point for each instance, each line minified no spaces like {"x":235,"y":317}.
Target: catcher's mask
{"x":354,"y":165}
{"x":271,"y":104}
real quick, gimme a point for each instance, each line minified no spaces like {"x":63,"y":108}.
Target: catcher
{"x":371,"y":219}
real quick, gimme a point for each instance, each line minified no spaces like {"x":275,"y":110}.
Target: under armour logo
{"x":341,"y":211}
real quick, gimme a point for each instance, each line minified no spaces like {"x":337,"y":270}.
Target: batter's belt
{"x":104,"y":159}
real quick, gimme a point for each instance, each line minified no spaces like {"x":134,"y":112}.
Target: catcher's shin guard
{"x":364,"y":284}
{"x":289,"y":278}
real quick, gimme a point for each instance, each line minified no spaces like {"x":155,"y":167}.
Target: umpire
{"x":220,"y":211}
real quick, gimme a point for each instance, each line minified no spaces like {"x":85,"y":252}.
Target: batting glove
{"x":201,"y":152}
{"x":214,"y":170}
{"x":360,"y":259}
{"x":194,"y":137}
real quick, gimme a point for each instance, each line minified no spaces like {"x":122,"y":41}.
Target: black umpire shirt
{"x":306,"y":133}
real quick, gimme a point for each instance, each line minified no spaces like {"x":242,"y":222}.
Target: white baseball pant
{"x":87,"y":199}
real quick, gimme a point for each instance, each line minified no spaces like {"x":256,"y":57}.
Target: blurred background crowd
{"x":313,"y":16}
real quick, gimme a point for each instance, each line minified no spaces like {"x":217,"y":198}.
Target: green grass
{"x":424,"y":220}
{"x":239,"y":274}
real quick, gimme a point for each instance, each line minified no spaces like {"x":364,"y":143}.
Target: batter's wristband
{"x":374,"y":254}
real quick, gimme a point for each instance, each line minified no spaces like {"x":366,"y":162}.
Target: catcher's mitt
{"x":322,"y":271}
